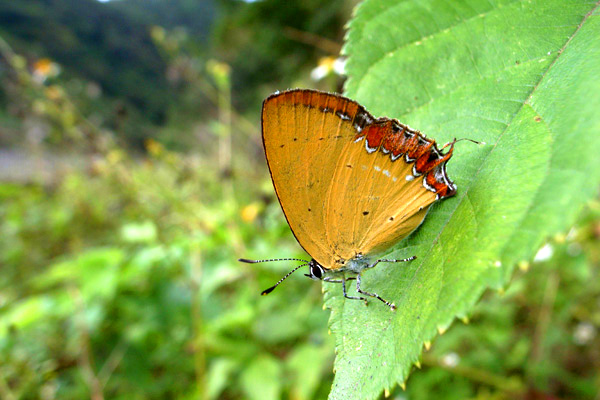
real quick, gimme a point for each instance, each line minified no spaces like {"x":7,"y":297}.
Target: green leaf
{"x":307,"y":363}
{"x":219,"y":375}
{"x":261,"y":380}
{"x":522,"y":76}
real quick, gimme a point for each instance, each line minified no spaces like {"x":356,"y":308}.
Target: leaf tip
{"x":386,"y":393}
{"x":427,"y":345}
{"x":465,"y":319}
{"x":403,"y":386}
{"x":418,"y":364}
{"x":442,"y":329}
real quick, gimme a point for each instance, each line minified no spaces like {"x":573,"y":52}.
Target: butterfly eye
{"x":316,"y":271}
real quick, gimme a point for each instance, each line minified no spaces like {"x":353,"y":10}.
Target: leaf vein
{"x":445,"y":224}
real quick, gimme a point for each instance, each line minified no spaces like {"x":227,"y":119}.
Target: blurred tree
{"x":196,"y":16}
{"x":93,"y":41}
{"x":273,"y":41}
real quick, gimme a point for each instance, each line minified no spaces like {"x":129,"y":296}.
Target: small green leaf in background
{"x":306,"y":363}
{"x":219,"y":376}
{"x":143,"y":232}
{"x":261,"y":380}
{"x":522,"y":76}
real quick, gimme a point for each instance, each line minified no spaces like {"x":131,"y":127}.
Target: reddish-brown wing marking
{"x":349,"y":184}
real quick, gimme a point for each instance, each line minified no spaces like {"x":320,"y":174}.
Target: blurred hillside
{"x":122,"y":49}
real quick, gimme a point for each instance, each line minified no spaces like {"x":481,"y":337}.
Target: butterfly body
{"x":350,"y":185}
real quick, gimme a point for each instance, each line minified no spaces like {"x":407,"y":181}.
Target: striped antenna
{"x":269,"y":290}
{"x":459,"y":140}
{"x":245,"y":260}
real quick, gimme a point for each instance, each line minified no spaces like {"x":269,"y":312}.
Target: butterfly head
{"x":316,"y":270}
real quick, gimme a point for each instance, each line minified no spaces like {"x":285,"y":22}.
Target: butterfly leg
{"x":358,"y":289}
{"x":337,"y":280}
{"x":343,"y":282}
{"x":352,"y":297}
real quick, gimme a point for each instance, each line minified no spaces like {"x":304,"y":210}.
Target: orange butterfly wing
{"x":342,"y":177}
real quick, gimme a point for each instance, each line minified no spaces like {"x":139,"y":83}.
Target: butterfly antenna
{"x":269,"y":290}
{"x":245,"y":260}
{"x":459,"y":140}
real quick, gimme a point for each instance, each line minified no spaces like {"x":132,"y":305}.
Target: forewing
{"x":304,"y":132}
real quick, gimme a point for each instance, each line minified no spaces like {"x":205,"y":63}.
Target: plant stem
{"x":196,"y":315}
{"x":543,"y":322}
{"x":504,"y":384}
{"x":85,"y":354}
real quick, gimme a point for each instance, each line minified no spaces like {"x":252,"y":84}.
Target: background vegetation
{"x":132,"y":178}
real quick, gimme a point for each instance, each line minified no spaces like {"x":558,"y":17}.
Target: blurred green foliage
{"x":125,"y":281}
{"x":119,"y":274}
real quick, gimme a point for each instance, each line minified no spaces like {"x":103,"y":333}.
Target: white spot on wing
{"x":369,"y":149}
{"x":343,"y":116}
{"x":395,"y":157}
{"x":430,"y":188}
{"x":414,"y":170}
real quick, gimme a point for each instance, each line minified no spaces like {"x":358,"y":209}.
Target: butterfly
{"x":350,"y":185}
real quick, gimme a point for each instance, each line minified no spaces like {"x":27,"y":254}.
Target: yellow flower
{"x":153,"y":147}
{"x":54,"y":92}
{"x":327,"y":66}
{"x":250,"y":212}
{"x":45,"y":68}
{"x":114,"y":156}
